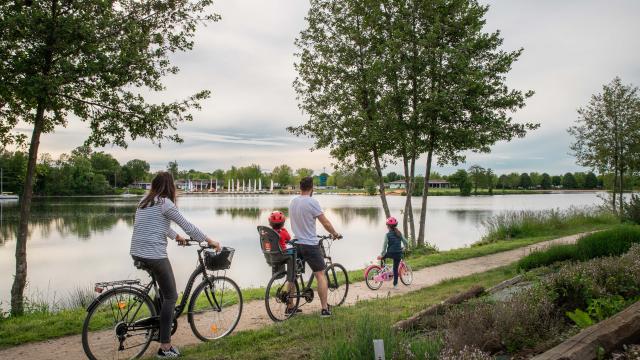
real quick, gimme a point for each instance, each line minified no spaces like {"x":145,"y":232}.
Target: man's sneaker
{"x":395,"y":287}
{"x":168,"y":354}
{"x":325,"y":313}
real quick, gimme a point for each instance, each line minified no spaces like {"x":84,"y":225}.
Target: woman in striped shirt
{"x":151,"y":229}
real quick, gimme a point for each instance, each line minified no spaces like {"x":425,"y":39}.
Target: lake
{"x":78,"y":241}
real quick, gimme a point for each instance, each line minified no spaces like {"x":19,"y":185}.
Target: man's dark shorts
{"x":312,"y":255}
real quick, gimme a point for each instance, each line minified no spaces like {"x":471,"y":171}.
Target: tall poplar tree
{"x":92,"y":59}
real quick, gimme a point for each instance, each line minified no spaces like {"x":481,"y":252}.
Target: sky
{"x":571,"y":48}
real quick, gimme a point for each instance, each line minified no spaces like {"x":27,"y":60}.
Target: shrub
{"x":466,"y":353}
{"x":575,"y":286}
{"x":520,"y":322}
{"x":612,"y":242}
{"x":548,"y":256}
{"x":632,"y":210}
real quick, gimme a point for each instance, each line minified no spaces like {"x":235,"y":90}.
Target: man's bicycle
{"x":281,"y":296}
{"x":124,"y":319}
{"x":375,"y":275}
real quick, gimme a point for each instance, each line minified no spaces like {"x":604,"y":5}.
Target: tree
{"x":569,"y":181}
{"x":302,"y":173}
{"x":339,"y":84}
{"x":607,"y":135}
{"x":392,"y":176}
{"x":556,"y":180}
{"x":590,"y":181}
{"x":476,"y":173}
{"x":89,"y":58}
{"x":503,"y":182}
{"x":536,"y":179}
{"x":525,"y":181}
{"x":135,"y":170}
{"x":545,"y":182}
{"x":107,"y":166}
{"x":283,"y":175}
{"x":490,"y":180}
{"x":464,"y":101}
{"x":172,"y":167}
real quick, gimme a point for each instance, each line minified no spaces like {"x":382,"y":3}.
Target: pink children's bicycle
{"x":375,"y":275}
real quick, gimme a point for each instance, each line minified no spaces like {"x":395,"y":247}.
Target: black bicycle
{"x":124,"y":319}
{"x":283,"y":299}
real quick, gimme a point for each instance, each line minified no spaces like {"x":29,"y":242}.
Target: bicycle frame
{"x":151,"y":322}
{"x":307,"y":287}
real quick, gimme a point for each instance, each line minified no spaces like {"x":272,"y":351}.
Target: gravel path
{"x":255,"y":316}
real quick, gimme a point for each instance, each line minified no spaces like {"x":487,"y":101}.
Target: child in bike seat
{"x":276,"y":221}
{"x":392,"y":248}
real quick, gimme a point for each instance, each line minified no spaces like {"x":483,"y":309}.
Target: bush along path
{"x":254,"y":314}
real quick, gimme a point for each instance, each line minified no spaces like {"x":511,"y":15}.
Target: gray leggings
{"x":163,"y":273}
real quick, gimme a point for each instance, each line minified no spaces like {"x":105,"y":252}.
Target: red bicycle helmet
{"x":277,"y":217}
{"x":392,"y":221}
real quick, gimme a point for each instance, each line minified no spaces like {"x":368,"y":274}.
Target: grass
{"x":612,"y":242}
{"x":46,"y":324}
{"x":528,"y":223}
{"x":348,"y":333}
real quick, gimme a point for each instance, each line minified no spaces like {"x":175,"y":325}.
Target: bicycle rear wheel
{"x":279,"y":296}
{"x":338,"y":281}
{"x":107,"y":332}
{"x":215,"y":308}
{"x":369,"y":277}
{"x":406,"y":274}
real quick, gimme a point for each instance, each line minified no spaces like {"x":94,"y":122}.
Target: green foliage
{"x":569,"y":181}
{"x":580,"y":318}
{"x":545,"y":182}
{"x":525,"y":181}
{"x":465,"y":188}
{"x":612,"y":242}
{"x":632,"y":209}
{"x":548,"y":256}
{"x":370,"y":187}
{"x":283,"y":175}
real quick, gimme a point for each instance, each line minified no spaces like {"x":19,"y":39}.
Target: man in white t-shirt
{"x":303,"y":212}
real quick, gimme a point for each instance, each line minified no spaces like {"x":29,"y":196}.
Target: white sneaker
{"x":395,"y":287}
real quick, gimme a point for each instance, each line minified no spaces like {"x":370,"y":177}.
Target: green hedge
{"x":550,"y":255}
{"x":612,"y":242}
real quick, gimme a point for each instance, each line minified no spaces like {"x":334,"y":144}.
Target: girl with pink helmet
{"x":393,"y":246}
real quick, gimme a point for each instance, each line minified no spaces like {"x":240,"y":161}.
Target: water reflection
{"x":350,"y":214}
{"x":66,"y":219}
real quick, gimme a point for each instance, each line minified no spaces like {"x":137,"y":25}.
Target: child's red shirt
{"x":284,"y":237}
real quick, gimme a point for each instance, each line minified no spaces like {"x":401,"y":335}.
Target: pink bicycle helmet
{"x":392,"y":221}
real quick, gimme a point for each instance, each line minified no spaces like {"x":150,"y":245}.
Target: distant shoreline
{"x":346,"y":193}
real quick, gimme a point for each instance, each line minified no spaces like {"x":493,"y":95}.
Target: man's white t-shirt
{"x":303,"y":211}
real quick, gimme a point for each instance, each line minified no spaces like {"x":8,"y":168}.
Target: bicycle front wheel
{"x":280,"y":295}
{"x":108,"y":331}
{"x":406,"y":274}
{"x":338,"y":281}
{"x":215,"y":308}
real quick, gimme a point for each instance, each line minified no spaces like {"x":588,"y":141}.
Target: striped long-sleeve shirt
{"x":152,"y":227}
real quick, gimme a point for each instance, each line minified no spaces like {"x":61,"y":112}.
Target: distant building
{"x":433,"y":183}
{"x":140,"y":185}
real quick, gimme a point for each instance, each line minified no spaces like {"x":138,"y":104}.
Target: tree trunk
{"x":20,"y":279}
{"x":383,"y":195}
{"x":425,"y":193}
{"x":412,"y":223}
{"x":621,"y":202}
{"x":407,"y":202}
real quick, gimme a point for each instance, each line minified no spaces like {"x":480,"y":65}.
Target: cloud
{"x":571,"y":48}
